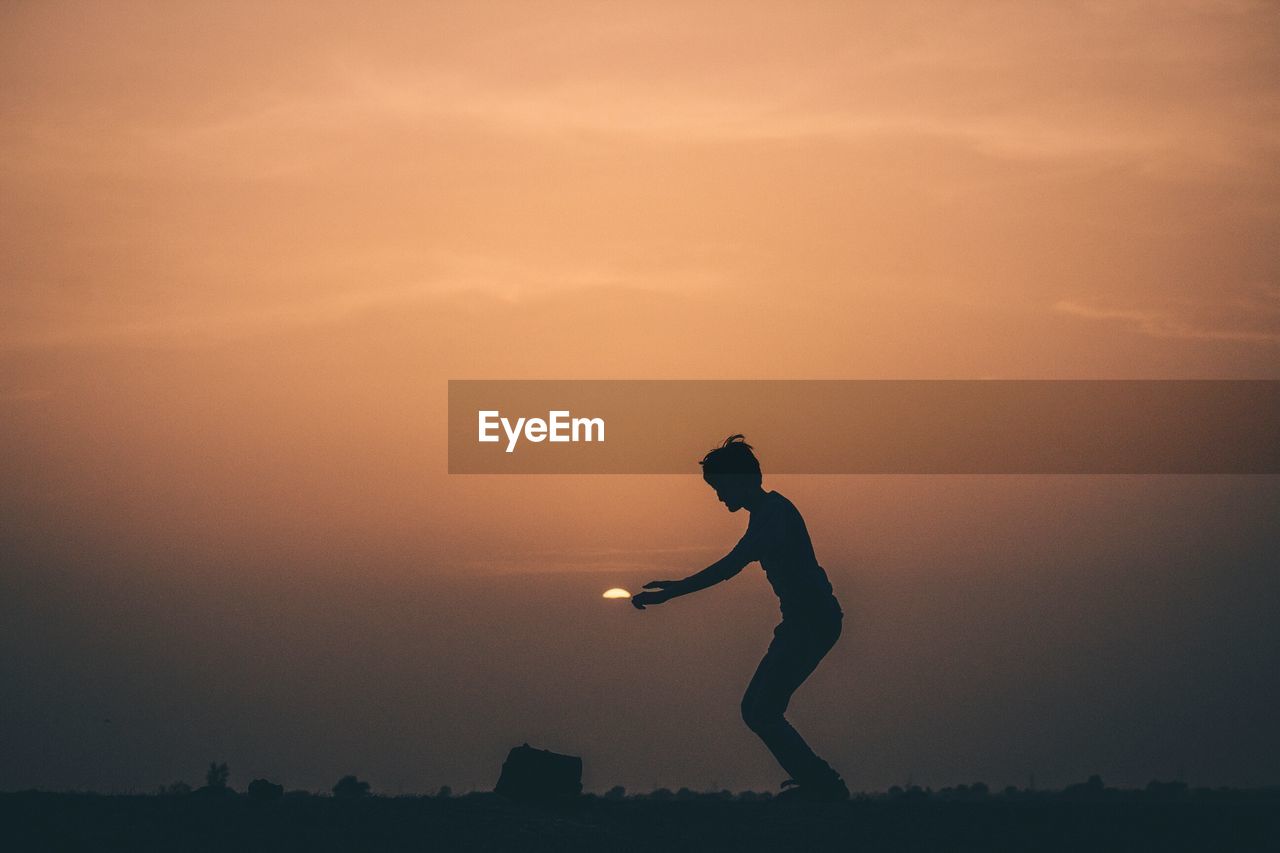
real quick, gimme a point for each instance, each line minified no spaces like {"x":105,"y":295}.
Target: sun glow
{"x":616,"y":593}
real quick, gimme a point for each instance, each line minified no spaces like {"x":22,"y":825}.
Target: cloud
{"x":457,"y":276}
{"x":1173,"y":85}
{"x":1244,"y":319}
{"x":283,"y":132}
{"x":25,"y":395}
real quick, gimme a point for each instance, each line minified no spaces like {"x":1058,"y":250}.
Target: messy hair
{"x":733,"y":457}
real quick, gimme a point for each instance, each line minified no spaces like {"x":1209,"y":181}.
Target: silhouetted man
{"x":811,"y":617}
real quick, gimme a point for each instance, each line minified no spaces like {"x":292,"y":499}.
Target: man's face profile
{"x":730,"y":491}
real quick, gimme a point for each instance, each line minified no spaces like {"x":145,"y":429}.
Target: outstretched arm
{"x":721,"y":570}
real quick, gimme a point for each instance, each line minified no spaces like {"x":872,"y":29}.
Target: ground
{"x":1206,"y":821}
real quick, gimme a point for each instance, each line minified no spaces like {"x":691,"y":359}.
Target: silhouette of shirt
{"x":777,"y":537}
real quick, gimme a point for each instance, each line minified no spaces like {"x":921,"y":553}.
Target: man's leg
{"x":792,"y":656}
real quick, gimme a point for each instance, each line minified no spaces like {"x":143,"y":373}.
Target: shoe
{"x":791,"y":793}
{"x":834,"y":791}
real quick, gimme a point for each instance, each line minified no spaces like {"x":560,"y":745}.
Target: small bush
{"x":350,"y":788}
{"x":262,"y":789}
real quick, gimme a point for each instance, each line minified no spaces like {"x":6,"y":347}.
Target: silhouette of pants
{"x":797,"y":648}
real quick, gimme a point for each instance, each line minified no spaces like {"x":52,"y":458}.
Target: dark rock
{"x":534,"y":775}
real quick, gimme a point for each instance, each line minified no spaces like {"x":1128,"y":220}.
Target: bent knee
{"x":760,"y":716}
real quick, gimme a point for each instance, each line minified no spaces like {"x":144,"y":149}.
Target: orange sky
{"x":252,"y":244}
{"x":245,"y":246}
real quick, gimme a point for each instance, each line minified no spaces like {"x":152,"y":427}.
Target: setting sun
{"x":616,"y":593}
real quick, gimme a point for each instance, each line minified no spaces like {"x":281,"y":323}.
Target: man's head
{"x":733,"y":471}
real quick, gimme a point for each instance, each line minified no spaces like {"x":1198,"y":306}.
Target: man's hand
{"x":658,"y":593}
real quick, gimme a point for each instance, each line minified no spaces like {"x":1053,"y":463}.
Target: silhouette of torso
{"x":777,"y":537}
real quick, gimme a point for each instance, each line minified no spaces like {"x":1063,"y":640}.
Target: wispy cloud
{"x":457,"y":276}
{"x":373,"y":99}
{"x":25,"y":395}
{"x":1017,"y":81}
{"x":203,"y":326}
{"x":1244,"y":319}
